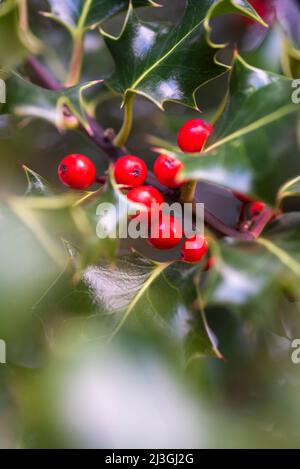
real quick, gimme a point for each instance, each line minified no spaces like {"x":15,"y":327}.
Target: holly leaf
{"x":40,"y":268}
{"x":284,"y":244}
{"x":258,"y":109}
{"x":291,"y":62}
{"x":55,"y":234}
{"x":288,"y":15}
{"x":101,"y":218}
{"x":167,"y":62}
{"x":15,"y":42}
{"x":290,"y":189}
{"x":37,"y":186}
{"x":222,"y":7}
{"x":24,"y":99}
{"x":133,"y":288}
{"x":88,"y":14}
{"x":95,"y":221}
{"x":259,"y":280}
{"x":27,"y":267}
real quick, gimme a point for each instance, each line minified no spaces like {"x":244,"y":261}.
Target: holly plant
{"x":132,"y":104}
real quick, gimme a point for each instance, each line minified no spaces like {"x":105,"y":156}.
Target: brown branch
{"x":250,"y":231}
{"x":104,"y":139}
{"x":39,"y":75}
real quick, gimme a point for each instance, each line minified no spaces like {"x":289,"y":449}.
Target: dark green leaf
{"x":27,"y":268}
{"x":290,"y":189}
{"x":163,"y":62}
{"x":85,"y":14}
{"x":222,"y":7}
{"x":288,"y":15}
{"x":37,"y":186}
{"x":97,"y":215}
{"x":258,"y":280}
{"x":134,"y":288}
{"x":25,"y":99}
{"x":15,"y":44}
{"x":167,"y":62}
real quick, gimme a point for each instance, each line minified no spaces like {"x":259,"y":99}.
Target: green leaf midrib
{"x":84,"y":15}
{"x":144,"y":75}
{"x":264,"y":121}
{"x":160,"y":268}
{"x":281,"y":255}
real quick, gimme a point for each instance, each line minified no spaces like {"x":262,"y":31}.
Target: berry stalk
{"x":188,"y":191}
{"x":124,"y":133}
{"x":23,"y":11}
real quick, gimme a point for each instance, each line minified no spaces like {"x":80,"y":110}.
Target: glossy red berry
{"x":194,"y":249}
{"x":130,"y":171}
{"x":77,"y":172}
{"x":146,"y":196}
{"x":193,"y":135}
{"x":166,"y":169}
{"x":167,"y":233}
{"x":256,"y":208}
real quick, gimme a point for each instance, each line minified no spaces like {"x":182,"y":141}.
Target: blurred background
{"x":63,"y":385}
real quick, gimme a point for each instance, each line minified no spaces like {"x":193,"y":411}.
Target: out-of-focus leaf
{"x":37,"y":231}
{"x":284,"y":223}
{"x":92,"y":221}
{"x":37,"y":277}
{"x":134,"y":288}
{"x":290,"y":189}
{"x":25,"y":99}
{"x":288,"y":14}
{"x":241,"y":7}
{"x":15,"y":43}
{"x":260,"y":57}
{"x":291,"y":60}
{"x":284,"y":245}
{"x":44,"y":217}
{"x":100,"y":219}
{"x":37,"y":186}
{"x":87,"y":14}
{"x":257,"y":279}
{"x":27,"y":268}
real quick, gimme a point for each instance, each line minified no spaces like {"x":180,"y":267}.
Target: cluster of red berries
{"x":78,"y":172}
{"x":130,"y":172}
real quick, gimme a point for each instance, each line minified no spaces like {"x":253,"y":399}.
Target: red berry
{"x":167,"y":233}
{"x":130,"y":171}
{"x":77,"y":171}
{"x":194,"y":249}
{"x":193,"y":135}
{"x":256,"y":208}
{"x":147,"y":196}
{"x":166,"y":169}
